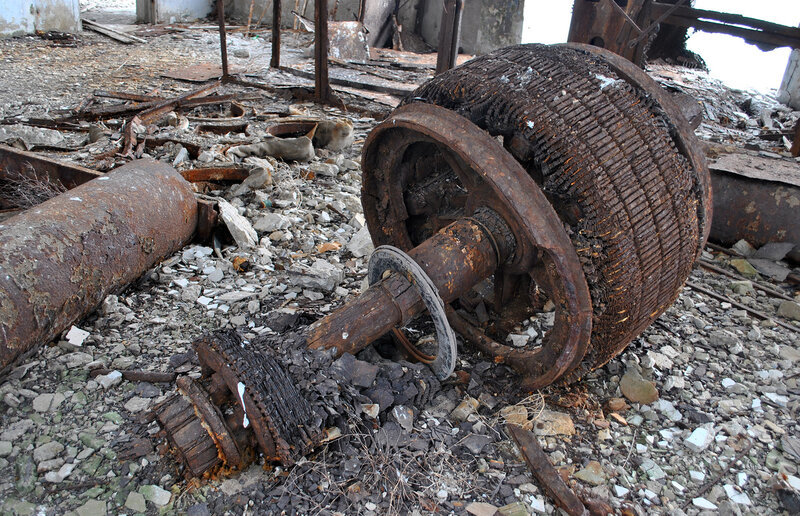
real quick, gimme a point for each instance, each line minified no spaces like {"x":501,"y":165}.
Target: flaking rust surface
{"x":62,"y":257}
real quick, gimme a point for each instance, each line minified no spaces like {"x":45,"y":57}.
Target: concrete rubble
{"x":708,"y":392}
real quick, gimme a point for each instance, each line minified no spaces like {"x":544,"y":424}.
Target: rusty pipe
{"x":60,"y":259}
{"x":456,"y":258}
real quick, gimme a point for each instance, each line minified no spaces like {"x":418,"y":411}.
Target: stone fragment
{"x":153,"y":493}
{"x":109,"y":380}
{"x":553,"y":423}
{"x":790,"y":310}
{"x":238,"y":226}
{"x":744,"y":248}
{"x":702,"y":503}
{"x":743,"y":288}
{"x":270,"y":222}
{"x":361,"y":243}
{"x":6,"y":448}
{"x":593,"y":474}
{"x":76,"y":336}
{"x":47,"y":451}
{"x":636,"y":388}
{"x":481,"y":509}
{"x":136,"y":502}
{"x":700,"y":438}
{"x":475,"y":443}
{"x":744,"y":268}
{"x":774,"y":251}
{"x":76,"y":359}
{"x":47,"y":402}
{"x":404,"y":417}
{"x":92,"y":508}
{"x":16,"y":430}
{"x":59,"y":476}
{"x":736,"y":495}
{"x":467,"y":406}
{"x":321,"y":275}
{"x":136,"y":404}
{"x":769,"y":268}
{"x":652,"y":470}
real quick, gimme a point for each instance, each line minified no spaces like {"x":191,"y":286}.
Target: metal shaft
{"x":456,"y":259}
{"x":60,"y":259}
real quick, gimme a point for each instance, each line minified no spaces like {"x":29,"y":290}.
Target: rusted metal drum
{"x":610,"y":192}
{"x":60,"y":259}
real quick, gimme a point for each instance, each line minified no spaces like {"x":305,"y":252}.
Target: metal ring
{"x":387,"y":257}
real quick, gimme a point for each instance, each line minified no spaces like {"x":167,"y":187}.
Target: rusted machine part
{"x":611,"y":155}
{"x":425,"y":164}
{"x":605,"y":25}
{"x":759,"y":210}
{"x":199,"y":433}
{"x":244,"y":401}
{"x":455,"y":259}
{"x":61,"y":258}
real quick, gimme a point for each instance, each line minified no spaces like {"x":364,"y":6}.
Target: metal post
{"x":322,"y":87}
{"x":223,"y":44}
{"x":276,"y":34}
{"x":449,"y":35}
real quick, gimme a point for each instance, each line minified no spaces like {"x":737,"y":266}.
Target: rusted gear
{"x":608,"y":149}
{"x":279,"y":415}
{"x":244,"y":400}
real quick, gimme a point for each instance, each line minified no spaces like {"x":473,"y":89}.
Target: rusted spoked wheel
{"x":588,"y":162}
{"x":426,"y":166}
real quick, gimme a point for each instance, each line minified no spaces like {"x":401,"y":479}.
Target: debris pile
{"x":699,"y":413}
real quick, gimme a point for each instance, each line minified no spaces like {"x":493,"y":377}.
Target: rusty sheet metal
{"x":14,"y":161}
{"x":60,"y":259}
{"x":201,"y":72}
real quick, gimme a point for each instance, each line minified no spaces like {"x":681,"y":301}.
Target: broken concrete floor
{"x":721,"y":433}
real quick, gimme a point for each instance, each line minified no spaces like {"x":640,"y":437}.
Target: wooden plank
{"x":116,"y":35}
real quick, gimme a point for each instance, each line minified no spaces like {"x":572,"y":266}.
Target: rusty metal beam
{"x":223,"y":43}
{"x":322,"y":87}
{"x":544,"y":472}
{"x":751,"y":29}
{"x":449,"y":35}
{"x":276,"y":34}
{"x":63,"y":257}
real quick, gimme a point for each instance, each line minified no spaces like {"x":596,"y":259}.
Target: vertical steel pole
{"x":276,"y":34}
{"x":322,"y":88}
{"x":449,"y":35}
{"x":223,"y":44}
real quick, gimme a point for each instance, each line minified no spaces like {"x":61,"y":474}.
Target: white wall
{"x":19,"y":17}
{"x":168,"y":11}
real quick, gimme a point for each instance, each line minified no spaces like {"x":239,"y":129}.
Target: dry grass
{"x":18,"y":190}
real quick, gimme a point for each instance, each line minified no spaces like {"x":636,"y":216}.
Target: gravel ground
{"x":700,"y":413}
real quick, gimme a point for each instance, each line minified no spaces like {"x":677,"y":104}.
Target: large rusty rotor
{"x":602,"y":184}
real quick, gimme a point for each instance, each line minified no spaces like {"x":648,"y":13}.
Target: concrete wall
{"x":485,"y":26}
{"x":789,"y":92}
{"x":172,"y":11}
{"x":348,"y":10}
{"x":19,"y":17}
